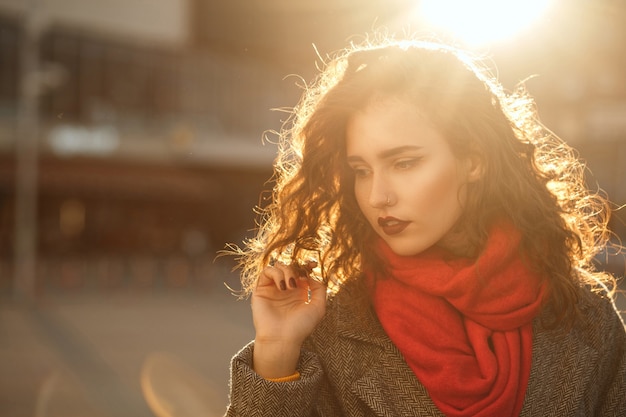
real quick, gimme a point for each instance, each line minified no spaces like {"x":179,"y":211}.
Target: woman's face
{"x":408,"y":184}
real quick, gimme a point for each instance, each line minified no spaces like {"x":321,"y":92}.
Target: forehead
{"x":390,"y":123}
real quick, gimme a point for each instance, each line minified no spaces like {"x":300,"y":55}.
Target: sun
{"x":480,"y":22}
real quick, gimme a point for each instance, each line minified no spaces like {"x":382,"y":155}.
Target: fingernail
{"x":292,"y":283}
{"x":283,"y":286}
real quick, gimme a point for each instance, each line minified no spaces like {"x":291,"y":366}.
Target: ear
{"x":474,"y":167}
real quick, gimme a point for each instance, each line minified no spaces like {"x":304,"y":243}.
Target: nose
{"x":381,"y":192}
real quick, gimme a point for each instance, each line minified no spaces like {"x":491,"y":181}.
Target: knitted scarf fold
{"x":464,"y":326}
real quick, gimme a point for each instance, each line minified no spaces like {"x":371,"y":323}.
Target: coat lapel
{"x":382,"y":379}
{"x":562,"y":367}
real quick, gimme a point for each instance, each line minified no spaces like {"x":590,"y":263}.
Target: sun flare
{"x":480,"y":22}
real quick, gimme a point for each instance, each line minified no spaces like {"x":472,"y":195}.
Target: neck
{"x":459,"y":244}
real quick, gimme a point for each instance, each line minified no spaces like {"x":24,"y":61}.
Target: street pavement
{"x":163,"y":353}
{"x":125,"y":353}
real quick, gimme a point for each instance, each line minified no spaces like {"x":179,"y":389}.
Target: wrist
{"x":273,"y":360}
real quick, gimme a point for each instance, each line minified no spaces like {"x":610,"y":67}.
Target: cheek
{"x":370,"y":214}
{"x":440,"y":190}
{"x":361,"y":196}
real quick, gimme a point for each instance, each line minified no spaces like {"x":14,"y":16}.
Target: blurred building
{"x":150,"y":154}
{"x":151,"y":116}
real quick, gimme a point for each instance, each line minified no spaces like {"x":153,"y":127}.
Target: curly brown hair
{"x":530,"y":176}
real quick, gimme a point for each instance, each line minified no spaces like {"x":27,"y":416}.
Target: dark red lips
{"x":391,"y":225}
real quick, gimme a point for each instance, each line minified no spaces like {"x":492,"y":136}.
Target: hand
{"x":286,"y":306}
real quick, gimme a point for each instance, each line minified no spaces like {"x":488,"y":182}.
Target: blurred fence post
{"x":26,"y":153}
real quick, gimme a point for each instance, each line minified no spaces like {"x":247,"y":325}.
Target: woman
{"x":427,"y":251}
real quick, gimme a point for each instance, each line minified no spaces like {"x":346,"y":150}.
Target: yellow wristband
{"x":289,"y":378}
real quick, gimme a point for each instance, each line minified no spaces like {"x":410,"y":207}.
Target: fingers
{"x":285,"y":277}
{"x":280,"y":275}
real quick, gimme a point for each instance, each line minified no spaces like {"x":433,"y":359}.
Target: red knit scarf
{"x":464,"y":326}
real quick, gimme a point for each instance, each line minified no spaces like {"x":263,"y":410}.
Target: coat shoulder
{"x":599,"y":324}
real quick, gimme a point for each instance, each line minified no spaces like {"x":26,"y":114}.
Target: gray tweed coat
{"x":351,"y":368}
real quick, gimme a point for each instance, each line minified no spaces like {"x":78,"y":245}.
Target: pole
{"x":26,"y":153}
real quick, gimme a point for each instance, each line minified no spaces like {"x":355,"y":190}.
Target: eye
{"x":360,"y":172}
{"x":404,"y":164}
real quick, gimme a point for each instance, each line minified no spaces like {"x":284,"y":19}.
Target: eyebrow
{"x":388,"y":153}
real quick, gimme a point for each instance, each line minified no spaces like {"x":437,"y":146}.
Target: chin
{"x":407,"y":249}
